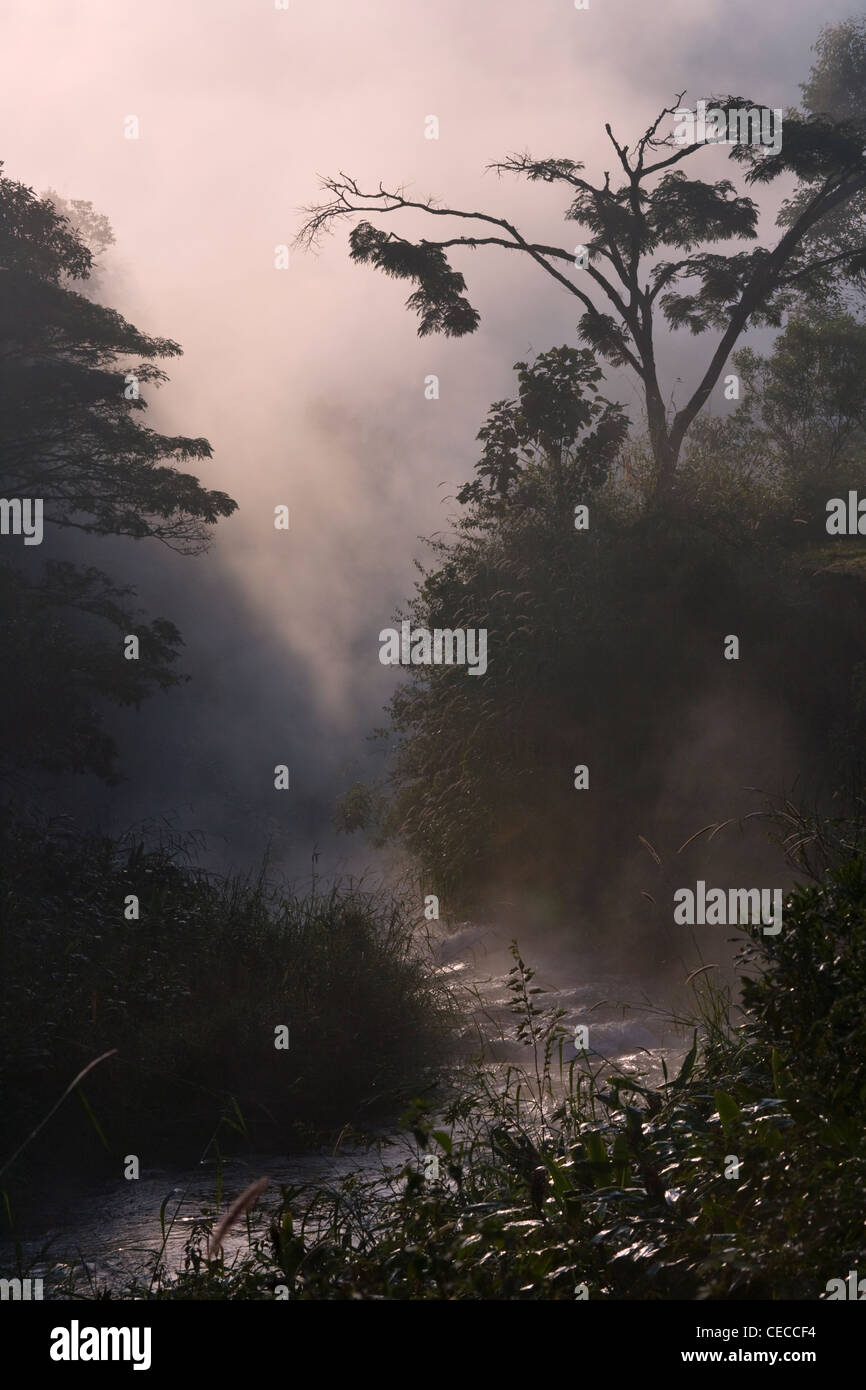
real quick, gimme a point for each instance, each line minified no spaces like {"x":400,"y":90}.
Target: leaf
{"x":562,"y":1184}
{"x":729,"y":1111}
{"x":164,"y":1204}
{"x":687,"y":1066}
{"x":443,"y":1139}
{"x":781,"y":1075}
{"x":593,"y":1147}
{"x":238,"y":1123}
{"x":88,"y":1110}
{"x":621,"y":1157}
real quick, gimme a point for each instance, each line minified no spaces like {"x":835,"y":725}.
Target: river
{"x":115,"y":1229}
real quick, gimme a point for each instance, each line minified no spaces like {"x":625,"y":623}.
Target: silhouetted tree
{"x":551,"y":447}
{"x":72,"y":435}
{"x":603,"y":643}
{"x":655,"y":206}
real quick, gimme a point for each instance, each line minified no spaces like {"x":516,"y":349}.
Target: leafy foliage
{"x":602,"y":642}
{"x":73,"y":377}
{"x":190,"y":994}
{"x":439,"y":300}
{"x":820,"y":251}
{"x":740,"y":1177}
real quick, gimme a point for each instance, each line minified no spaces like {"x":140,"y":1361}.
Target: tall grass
{"x":739,"y":1177}
{"x":190,"y":995}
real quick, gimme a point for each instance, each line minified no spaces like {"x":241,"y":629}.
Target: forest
{"x":662,"y":609}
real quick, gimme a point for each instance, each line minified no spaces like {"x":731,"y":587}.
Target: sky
{"x":309,"y":381}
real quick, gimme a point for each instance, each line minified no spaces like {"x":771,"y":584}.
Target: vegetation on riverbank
{"x":190,"y":992}
{"x":668,"y":613}
{"x":608,"y":645}
{"x":741,"y":1177}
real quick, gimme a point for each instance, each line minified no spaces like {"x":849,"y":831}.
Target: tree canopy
{"x":603,"y":641}
{"x":73,"y":435}
{"x":651,"y":206}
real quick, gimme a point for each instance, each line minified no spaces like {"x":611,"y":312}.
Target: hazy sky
{"x":309,"y":382}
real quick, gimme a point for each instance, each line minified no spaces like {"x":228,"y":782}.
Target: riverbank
{"x":232,"y":1011}
{"x":104,"y":1232}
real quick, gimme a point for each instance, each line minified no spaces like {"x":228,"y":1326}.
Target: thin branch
{"x":397,"y":202}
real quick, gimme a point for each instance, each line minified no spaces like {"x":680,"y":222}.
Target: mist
{"x":309,"y":382}
{"x":247,"y":1057}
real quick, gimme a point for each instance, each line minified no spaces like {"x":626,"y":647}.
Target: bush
{"x":190,"y":995}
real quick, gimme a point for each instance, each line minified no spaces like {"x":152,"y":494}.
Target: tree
{"x":654,"y":206}
{"x":478,"y":765}
{"x":91,"y":227}
{"x":835,"y":92}
{"x":553,"y":446}
{"x":604,"y":645}
{"x":835,"y":84}
{"x":805,"y":404}
{"x":72,"y":437}
{"x":797,"y":438}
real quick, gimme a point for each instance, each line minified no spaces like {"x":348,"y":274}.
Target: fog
{"x":309,"y":382}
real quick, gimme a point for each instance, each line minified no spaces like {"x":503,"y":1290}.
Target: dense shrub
{"x":579,"y":1180}
{"x":190,"y":995}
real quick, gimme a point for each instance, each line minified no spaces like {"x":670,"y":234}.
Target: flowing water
{"x":115,"y":1229}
